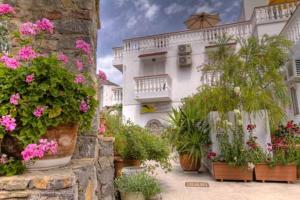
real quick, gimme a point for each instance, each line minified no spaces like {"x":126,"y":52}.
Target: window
{"x":295,"y":101}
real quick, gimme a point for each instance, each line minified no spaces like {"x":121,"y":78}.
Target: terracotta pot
{"x":121,"y":163}
{"x":286,"y":173}
{"x":223,"y":171}
{"x":132,"y":196}
{"x":66,"y":137}
{"x":298,"y":173}
{"x":188,"y":164}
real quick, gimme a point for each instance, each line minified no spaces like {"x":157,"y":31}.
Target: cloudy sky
{"x":123,"y":19}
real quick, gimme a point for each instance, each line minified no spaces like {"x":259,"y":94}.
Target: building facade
{"x":110,"y":95}
{"x":160,"y":70}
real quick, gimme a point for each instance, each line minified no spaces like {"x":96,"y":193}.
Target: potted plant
{"x":189,"y":134}
{"x":42,"y":104}
{"x":137,"y":187}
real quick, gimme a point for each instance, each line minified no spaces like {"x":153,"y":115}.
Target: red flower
{"x":211,"y":155}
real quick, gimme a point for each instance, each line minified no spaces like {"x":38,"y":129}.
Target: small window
{"x":295,"y":101}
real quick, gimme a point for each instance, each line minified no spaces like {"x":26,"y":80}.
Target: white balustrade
{"x":157,"y":86}
{"x":292,"y":29}
{"x":275,"y":12}
{"x":118,"y":52}
{"x":117,"y":96}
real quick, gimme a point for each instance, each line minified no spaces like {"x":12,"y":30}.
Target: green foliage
{"x":11,"y":168}
{"x":188,"y":132}
{"x":54,"y":88}
{"x":255,"y":68}
{"x":140,"y":182}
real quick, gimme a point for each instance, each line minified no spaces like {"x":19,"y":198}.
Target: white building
{"x":155,"y":79}
{"x":110,"y":95}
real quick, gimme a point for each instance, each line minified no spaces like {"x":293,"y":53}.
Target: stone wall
{"x":83,"y":179}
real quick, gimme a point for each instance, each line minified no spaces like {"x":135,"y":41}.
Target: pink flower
{"x":84,"y":46}
{"x":79,"y":65}
{"x":6,"y":9}
{"x":39,"y":150}
{"x":45,"y":25}
{"x":102,"y":128}
{"x":27,"y":53}
{"x":84,"y":107}
{"x":102,"y":76}
{"x":39,"y":111}
{"x":28,"y":29}
{"x":8,"y":123}
{"x":29,"y":78}
{"x":11,"y":63}
{"x":14,"y":99}
{"x":79,"y":79}
{"x":63,"y":58}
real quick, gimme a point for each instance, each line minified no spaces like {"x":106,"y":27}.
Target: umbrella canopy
{"x":202,"y":20}
{"x":271,"y":2}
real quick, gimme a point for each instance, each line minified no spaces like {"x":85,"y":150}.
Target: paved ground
{"x":173,"y":184}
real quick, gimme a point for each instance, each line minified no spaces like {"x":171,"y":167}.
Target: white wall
{"x":249,"y":5}
{"x":107,"y":94}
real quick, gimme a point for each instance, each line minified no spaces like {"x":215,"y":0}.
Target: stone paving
{"x":173,"y":185}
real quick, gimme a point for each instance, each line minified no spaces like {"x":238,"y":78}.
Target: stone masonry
{"x":83,"y":179}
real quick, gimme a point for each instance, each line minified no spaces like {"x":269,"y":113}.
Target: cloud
{"x":120,"y":3}
{"x":174,"y":8}
{"x":149,"y":9}
{"x":105,"y":63}
{"x":205,"y":8}
{"x":132,"y":21}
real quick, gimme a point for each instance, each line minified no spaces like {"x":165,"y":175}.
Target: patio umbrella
{"x":271,"y":2}
{"x":202,"y":20}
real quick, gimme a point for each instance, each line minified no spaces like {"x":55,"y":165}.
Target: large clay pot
{"x":187,"y":163}
{"x":132,"y":196}
{"x":66,"y":136}
{"x":121,"y":163}
{"x":223,"y":171}
{"x":286,"y":173}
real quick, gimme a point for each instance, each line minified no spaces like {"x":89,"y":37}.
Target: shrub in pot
{"x":137,"y":187}
{"x":41,"y":102}
{"x":189,"y":134}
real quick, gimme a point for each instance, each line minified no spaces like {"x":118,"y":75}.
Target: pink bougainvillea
{"x":102,"y":76}
{"x":29,"y":78}
{"x":28,"y":28}
{"x":63,"y":58}
{"x":84,"y":106}
{"x":27,"y":53}
{"x":84,"y":46}
{"x":39,"y":150}
{"x":79,"y":65}
{"x":14,"y":99}
{"x":8,"y":122}
{"x":102,"y":128}
{"x":79,"y":79}
{"x":45,"y":25}
{"x":6,"y":9}
{"x":39,"y":111}
{"x":11,"y":63}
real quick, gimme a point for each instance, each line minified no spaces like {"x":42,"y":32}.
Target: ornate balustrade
{"x":117,"y":96}
{"x":292,"y":29}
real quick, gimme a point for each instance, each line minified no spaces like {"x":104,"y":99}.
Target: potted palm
{"x":42,"y":104}
{"x":137,"y":187}
{"x":189,"y":134}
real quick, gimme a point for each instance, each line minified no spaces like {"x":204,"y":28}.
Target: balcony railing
{"x":117,"y":96}
{"x":118,"y":58}
{"x":292,"y":29}
{"x":153,"y":88}
{"x":277,"y":12}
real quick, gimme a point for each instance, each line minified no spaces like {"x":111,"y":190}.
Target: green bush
{"x":140,"y":182}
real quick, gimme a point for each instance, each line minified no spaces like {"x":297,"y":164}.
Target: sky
{"x":121,"y":19}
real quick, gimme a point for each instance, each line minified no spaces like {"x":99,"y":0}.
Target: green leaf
{"x":55,"y":112}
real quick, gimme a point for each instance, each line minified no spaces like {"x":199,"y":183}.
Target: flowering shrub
{"x":39,"y":150}
{"x":37,"y":92}
{"x":10,"y":166}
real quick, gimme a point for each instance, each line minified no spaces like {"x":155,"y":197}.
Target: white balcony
{"x":292,"y":29}
{"x":117,"y":96}
{"x":155,"y":88}
{"x":118,"y":58}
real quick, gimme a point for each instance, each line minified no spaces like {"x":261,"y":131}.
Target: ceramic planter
{"x":66,"y":137}
{"x":121,"y":163}
{"x":132,"y":196}
{"x":188,"y":164}
{"x":223,"y":171}
{"x":286,"y":173}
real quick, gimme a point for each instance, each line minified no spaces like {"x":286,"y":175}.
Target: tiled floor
{"x":173,"y":185}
